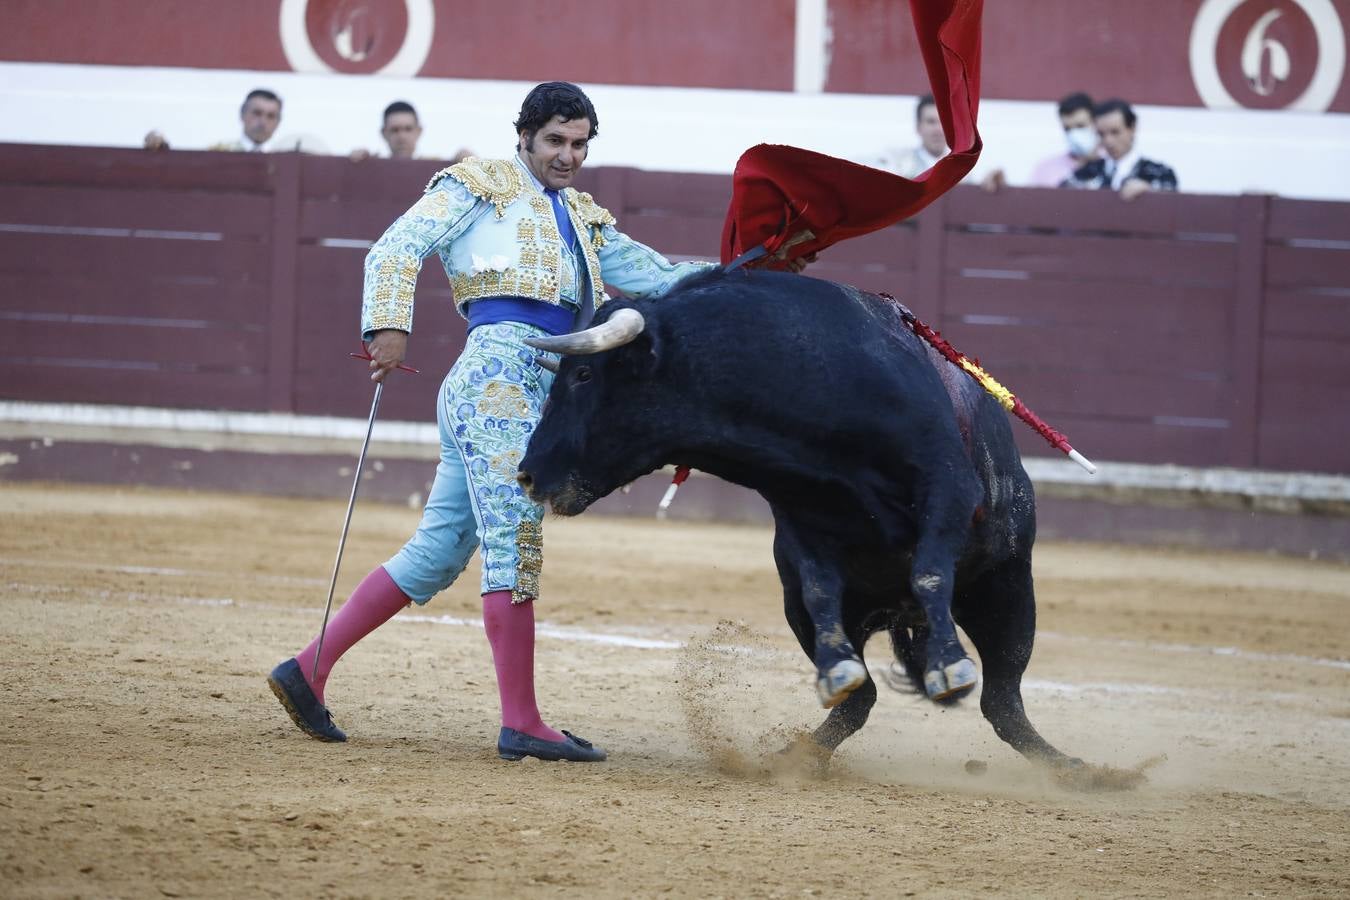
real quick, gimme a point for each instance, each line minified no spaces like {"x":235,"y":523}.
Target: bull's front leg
{"x":815,"y":576}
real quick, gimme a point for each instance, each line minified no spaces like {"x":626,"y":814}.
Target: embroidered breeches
{"x":489,"y":405}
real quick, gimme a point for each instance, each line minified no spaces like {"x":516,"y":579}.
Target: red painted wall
{"x":1032,"y":50}
{"x":1042,"y":51}
{"x":693,"y":43}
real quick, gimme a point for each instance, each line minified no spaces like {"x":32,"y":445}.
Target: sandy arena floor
{"x":142,"y":755}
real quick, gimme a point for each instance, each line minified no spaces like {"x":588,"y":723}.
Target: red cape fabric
{"x":799,"y":202}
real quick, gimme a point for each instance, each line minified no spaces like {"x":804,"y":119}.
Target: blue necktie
{"x":586,"y":300}
{"x":564,"y":221}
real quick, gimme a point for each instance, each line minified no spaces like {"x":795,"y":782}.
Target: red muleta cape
{"x":796,"y":202}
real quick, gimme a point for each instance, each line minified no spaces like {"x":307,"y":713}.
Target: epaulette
{"x":591,"y":214}
{"x":495,"y":181}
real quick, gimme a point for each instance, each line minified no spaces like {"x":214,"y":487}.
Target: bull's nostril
{"x":524,"y":479}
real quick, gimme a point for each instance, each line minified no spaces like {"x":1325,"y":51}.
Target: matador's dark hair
{"x":555,"y":98}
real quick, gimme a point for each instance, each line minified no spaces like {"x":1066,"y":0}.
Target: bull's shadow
{"x":898,"y":495}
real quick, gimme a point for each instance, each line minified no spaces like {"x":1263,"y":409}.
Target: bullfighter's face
{"x":556,"y":151}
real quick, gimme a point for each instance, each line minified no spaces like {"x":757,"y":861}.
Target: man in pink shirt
{"x":1075,"y":117}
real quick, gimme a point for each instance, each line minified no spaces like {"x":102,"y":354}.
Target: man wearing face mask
{"x":1120,"y":167}
{"x":527,"y":256}
{"x":1075,"y":117}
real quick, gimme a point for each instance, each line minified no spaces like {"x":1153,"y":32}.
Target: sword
{"x":351,"y":504}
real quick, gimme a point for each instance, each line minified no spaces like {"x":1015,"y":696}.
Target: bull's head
{"x":604,"y":416}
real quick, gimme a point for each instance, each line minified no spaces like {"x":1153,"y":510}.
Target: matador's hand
{"x":387,"y":349}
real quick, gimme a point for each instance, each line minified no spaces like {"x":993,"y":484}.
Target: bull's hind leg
{"x":813,"y":582}
{"x":847,"y":717}
{"x":998,"y":611}
{"x":948,"y":670}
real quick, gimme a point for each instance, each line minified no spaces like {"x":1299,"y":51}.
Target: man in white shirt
{"x":911,"y":161}
{"x":259,"y":115}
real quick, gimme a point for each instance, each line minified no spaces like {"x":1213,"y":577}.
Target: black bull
{"x":898,"y":495}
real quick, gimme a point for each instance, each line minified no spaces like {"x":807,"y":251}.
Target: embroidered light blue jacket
{"x":495,"y":232}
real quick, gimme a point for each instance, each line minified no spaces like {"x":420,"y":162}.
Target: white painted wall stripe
{"x":1212,"y":150}
{"x":811,"y":56}
{"x":1248,"y":483}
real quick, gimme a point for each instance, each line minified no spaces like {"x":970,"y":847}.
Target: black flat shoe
{"x":513,"y":745}
{"x":309,"y":715}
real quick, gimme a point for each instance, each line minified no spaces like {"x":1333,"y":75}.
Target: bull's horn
{"x":616,"y":331}
{"x":546,"y":362}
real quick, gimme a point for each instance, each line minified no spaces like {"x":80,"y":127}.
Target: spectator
{"x":1120,"y":167}
{"x":911,"y":161}
{"x":401,"y":131}
{"x":1075,"y":117}
{"x":260,"y":115}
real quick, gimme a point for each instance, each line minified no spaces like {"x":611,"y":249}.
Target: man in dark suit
{"x":1121,"y":167}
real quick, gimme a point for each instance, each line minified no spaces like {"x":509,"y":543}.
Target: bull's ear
{"x":642,"y":355}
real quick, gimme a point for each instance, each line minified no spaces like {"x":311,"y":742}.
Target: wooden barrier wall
{"x":1200,"y":330}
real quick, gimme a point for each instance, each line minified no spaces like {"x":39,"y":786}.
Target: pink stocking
{"x":510,"y":631}
{"x":373,"y":603}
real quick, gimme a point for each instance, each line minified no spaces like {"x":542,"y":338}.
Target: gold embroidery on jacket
{"x":589,"y":248}
{"x":496,"y":181}
{"x":592,"y":215}
{"x":395,"y":285}
{"x":511,"y":283}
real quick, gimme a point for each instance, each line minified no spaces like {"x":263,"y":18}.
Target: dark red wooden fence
{"x":1199,"y":330}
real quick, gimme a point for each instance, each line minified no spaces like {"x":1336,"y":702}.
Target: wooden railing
{"x":1201,"y":330}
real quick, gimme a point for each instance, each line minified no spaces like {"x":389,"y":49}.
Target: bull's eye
{"x":583,"y":374}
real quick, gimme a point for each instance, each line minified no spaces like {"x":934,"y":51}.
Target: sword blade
{"x":346,"y":524}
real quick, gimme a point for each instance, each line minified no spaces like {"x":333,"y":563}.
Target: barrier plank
{"x":1307,"y":267}
{"x":689,"y":235}
{"x":1087,"y":349}
{"x":1093,"y":211}
{"x":685,"y":193}
{"x":129,"y":387}
{"x":166,"y":347}
{"x":1140,"y":440}
{"x":1111,"y":304}
{"x":1143,"y":260}
{"x":1307,"y":219}
{"x":1308,"y":313}
{"x":155,"y":209}
{"x":107,"y":167}
{"x":134,"y":295}
{"x":98,"y":256}
{"x":1054,"y":391}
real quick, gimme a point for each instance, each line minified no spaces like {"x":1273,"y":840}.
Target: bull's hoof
{"x":843,"y":678}
{"x":950,"y":681}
